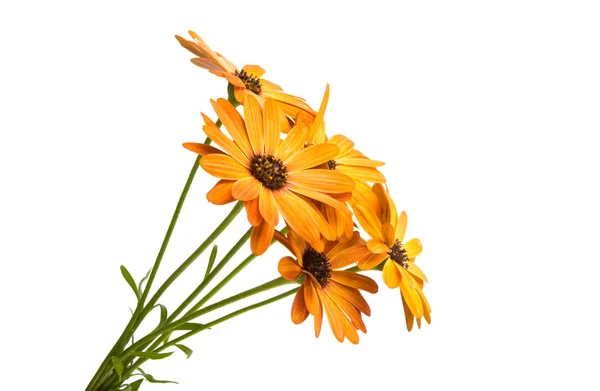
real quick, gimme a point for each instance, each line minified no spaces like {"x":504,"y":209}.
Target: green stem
{"x":135,"y":319}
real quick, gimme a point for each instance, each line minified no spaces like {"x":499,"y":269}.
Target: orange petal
{"x":321,"y":197}
{"x":413,"y":248}
{"x":416,"y":271}
{"x":334,"y":315}
{"x":376,"y":246}
{"x":328,"y":181}
{"x":223,"y":166}
{"x":312,"y":156}
{"x":236,"y":81}
{"x":254,"y":125}
{"x":391,"y":275}
{"x":352,"y":295}
{"x":267,"y":207}
{"x":261,"y":237}
{"x":289,"y":268}
{"x":413,"y":300}
{"x":343,"y":142}
{"x":313,"y":304}
{"x":299,"y":311}
{"x":220,"y":194}
{"x":317,"y":129}
{"x":298,"y":214}
{"x":372,"y":261}
{"x":369,"y":222}
{"x":408,"y":316}
{"x":271,"y":130}
{"x":231,"y":148}
{"x":254,"y":216}
{"x":246,"y":189}
{"x":367,"y":174}
{"x":348,"y":257}
{"x":347,"y":308}
{"x":281,"y":96}
{"x":201,"y":148}
{"x":206,"y":63}
{"x":293,"y":143}
{"x":359,"y":161}
{"x":297,"y":244}
{"x":354,"y":280}
{"x":234,"y":123}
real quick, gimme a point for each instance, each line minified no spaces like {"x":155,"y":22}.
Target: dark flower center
{"x":398,"y":254}
{"x":317,"y":264}
{"x":269,"y":170}
{"x":251,"y":82}
{"x":332,"y":164}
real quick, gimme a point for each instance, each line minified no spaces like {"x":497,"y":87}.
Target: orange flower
{"x":387,"y":230}
{"x":335,"y":290}
{"x":272,"y":176}
{"x":248,"y":81}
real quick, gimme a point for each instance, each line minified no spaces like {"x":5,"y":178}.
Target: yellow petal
{"x":312,"y":156}
{"x":401,"y":226}
{"x":293,"y":143}
{"x":369,"y":222}
{"x":254,"y":70}
{"x":254,"y":125}
{"x":271,"y":130}
{"x":345,"y":144}
{"x":367,"y":174}
{"x":317,"y":129}
{"x":372,"y":261}
{"x":246,"y":189}
{"x":376,"y":246}
{"x":224,"y":167}
{"x":416,"y":271}
{"x":410,"y":294}
{"x":389,"y":234}
{"x":408,"y":316}
{"x":231,"y":148}
{"x":413,"y":248}
{"x":391,"y":275}
{"x":362,"y":161}
{"x":289,"y":268}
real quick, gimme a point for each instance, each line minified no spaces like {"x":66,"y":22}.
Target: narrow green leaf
{"x":136,"y":385}
{"x":211,"y":260}
{"x":163,"y":314}
{"x":188,"y":352}
{"x":166,"y":337}
{"x":191,"y":326}
{"x":141,"y":284}
{"x":126,"y":388}
{"x":151,"y":378}
{"x":130,"y":280}
{"x":118,"y":366}
{"x":151,"y":355}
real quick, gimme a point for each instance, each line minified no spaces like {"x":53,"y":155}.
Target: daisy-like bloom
{"x":387,"y":244}
{"x":337,"y":291}
{"x":247,"y":81}
{"x":272,"y":176}
{"x":350,"y":162}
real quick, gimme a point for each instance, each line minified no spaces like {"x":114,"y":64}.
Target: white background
{"x":485,"y":112}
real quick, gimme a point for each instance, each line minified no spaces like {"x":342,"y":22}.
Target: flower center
{"x":332,"y":164}
{"x":269,"y":170}
{"x":317,"y":264}
{"x":251,"y":82}
{"x":398,"y":254}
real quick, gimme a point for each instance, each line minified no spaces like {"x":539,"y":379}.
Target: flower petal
{"x":312,"y":156}
{"x":354,"y":280}
{"x":317,"y":129}
{"x":202,"y":149}
{"x":231,"y":148}
{"x":299,"y":311}
{"x":254,"y":125}
{"x":391,"y":275}
{"x":376,"y":246}
{"x":322,"y":197}
{"x":334,"y":315}
{"x":369,"y":222}
{"x":388,"y":234}
{"x":408,"y":316}
{"x":348,"y":256}
{"x":267,"y":207}
{"x":413,"y":248}
{"x":413,"y":300}
{"x":372,"y":261}
{"x":220,"y":194}
{"x":289,"y":268}
{"x":401,"y":226}
{"x":246,"y":189}
{"x":254,"y":216}
{"x":293,"y":143}
{"x":367,"y":174}
{"x":261,"y":237}
{"x":298,"y":214}
{"x":347,"y":308}
{"x":254,"y":70}
{"x":311,"y":298}
{"x":223,"y":166}
{"x":234,"y":123}
{"x":359,"y":161}
{"x":345,"y":144}
{"x":328,"y":181}
{"x":416,"y":271}
{"x":271,"y":130}
{"x":353,"y":295}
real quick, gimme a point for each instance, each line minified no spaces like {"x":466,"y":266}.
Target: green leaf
{"x":211,"y":261}
{"x":166,"y":337}
{"x":151,"y":378}
{"x":188,"y":352}
{"x":130,"y":280}
{"x":163,"y":314}
{"x":191,"y":326}
{"x":140,"y":285}
{"x":150,"y":355}
{"x":136,"y":385}
{"x":118,"y":366}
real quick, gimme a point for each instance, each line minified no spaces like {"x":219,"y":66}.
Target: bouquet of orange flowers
{"x":316,"y":194}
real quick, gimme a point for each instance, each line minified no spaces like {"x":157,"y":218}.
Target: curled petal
{"x":289,"y":268}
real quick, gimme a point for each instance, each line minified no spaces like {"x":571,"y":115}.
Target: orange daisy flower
{"x":337,"y":291}
{"x":272,"y":176}
{"x":248,"y":81}
{"x":387,"y":230}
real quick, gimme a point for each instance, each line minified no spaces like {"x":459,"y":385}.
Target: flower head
{"x":272,"y":176}
{"x":324,"y":286}
{"x":247,"y":81}
{"x":387,"y":230}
